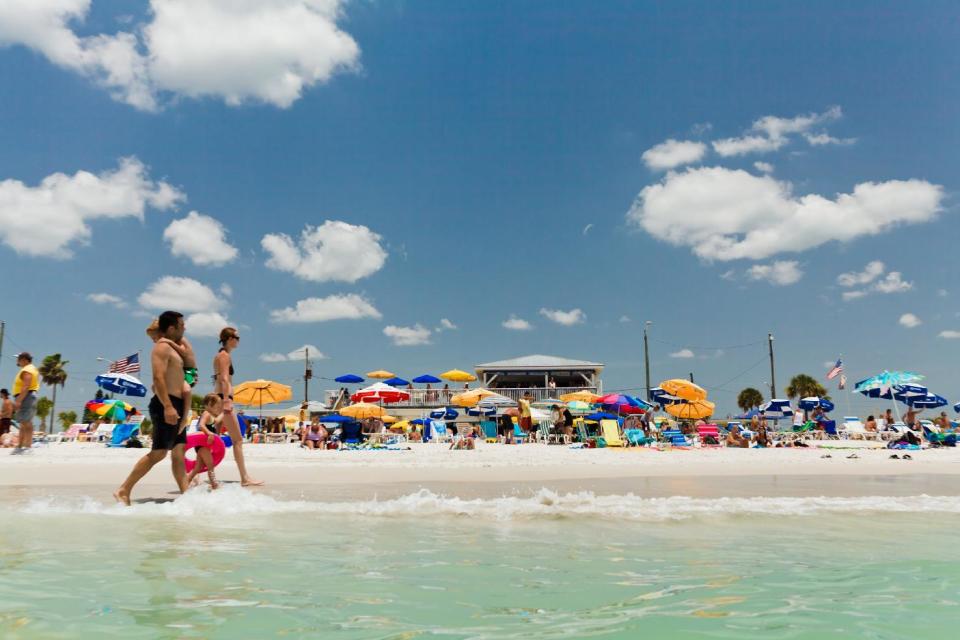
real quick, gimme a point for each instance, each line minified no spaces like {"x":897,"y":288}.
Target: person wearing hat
{"x":26,"y":384}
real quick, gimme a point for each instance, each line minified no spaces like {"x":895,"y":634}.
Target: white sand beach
{"x":493,"y":470}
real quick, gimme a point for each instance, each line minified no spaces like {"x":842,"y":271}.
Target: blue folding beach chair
{"x":676,"y":438}
{"x":635,"y":437}
{"x":519,"y":434}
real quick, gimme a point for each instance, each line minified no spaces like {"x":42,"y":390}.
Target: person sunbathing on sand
{"x":735,"y":439}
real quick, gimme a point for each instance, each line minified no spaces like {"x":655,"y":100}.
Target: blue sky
{"x":482,"y":161}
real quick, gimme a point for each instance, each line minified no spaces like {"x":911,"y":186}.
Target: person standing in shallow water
{"x":167,"y":407}
{"x":223,"y":386}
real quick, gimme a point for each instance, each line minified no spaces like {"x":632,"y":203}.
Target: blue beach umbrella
{"x":397,"y":382}
{"x":887,"y":380}
{"x":121,"y":383}
{"x":348,"y":379}
{"x":482,"y":410}
{"x":812,"y":402}
{"x":427,"y":379}
{"x":448,"y":413}
{"x":600,"y":415}
{"x":929,"y":401}
{"x":661,"y":397}
{"x":776,"y":409}
{"x":336,"y":418}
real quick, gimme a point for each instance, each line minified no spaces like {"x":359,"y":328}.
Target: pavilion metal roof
{"x":534,"y":362}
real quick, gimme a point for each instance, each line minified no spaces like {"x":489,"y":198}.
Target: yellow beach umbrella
{"x":694,"y":410}
{"x":580,"y":396}
{"x":684,"y":389}
{"x":456,"y":375}
{"x":261,"y":392}
{"x":388,"y":419}
{"x":381,"y":374}
{"x":403,"y":424}
{"x":363,"y":410}
{"x":471,"y":398}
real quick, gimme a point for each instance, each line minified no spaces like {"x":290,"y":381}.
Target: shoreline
{"x":80,"y":469}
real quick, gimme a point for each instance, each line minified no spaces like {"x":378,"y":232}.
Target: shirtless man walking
{"x":6,"y":412}
{"x":166,"y":408}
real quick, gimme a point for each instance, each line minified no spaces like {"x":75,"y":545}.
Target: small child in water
{"x":211,"y":416}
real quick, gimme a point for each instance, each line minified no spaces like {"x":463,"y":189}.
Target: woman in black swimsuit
{"x":223,"y":386}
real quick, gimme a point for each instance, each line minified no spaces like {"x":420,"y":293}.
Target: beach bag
{"x":133,"y":443}
{"x":601,"y":443}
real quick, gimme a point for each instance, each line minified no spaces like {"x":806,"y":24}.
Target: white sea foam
{"x":235,"y":501}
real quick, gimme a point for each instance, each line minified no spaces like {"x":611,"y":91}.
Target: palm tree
{"x":67,"y":418}
{"x":44,"y":407}
{"x":52,"y":373}
{"x":802,"y":386}
{"x":749,"y":398}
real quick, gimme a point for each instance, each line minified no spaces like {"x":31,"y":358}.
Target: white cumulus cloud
{"x":820,"y":139}
{"x":296,"y":355}
{"x":682,"y":353}
{"x":47,"y":219}
{"x":764,"y":167}
{"x":239,"y":51}
{"x":769,"y":133}
{"x":871,"y":272}
{"x":780,"y":273}
{"x":566,"y":318}
{"x":873,"y":280}
{"x":348,"y":306}
{"x":673,"y":153}
{"x":446,"y":325}
{"x":106,"y":298}
{"x":516,"y":324}
{"x":334,"y":251}
{"x":949,"y":334}
{"x":185,"y":295}
{"x":206,"y":324}
{"x":910,"y":321}
{"x":408,"y":336}
{"x":729,"y":214}
{"x":201,"y":239}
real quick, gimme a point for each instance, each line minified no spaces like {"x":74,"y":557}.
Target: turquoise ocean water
{"x":233,"y":564}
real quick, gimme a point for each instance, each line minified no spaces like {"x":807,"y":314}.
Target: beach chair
{"x":936,"y":437}
{"x":439,"y":431}
{"x":543,"y":431}
{"x":121,"y":433}
{"x":489,"y":430}
{"x":103,"y":433}
{"x":675,"y":437}
{"x":610,"y":431}
{"x":70,"y":435}
{"x":635,"y":438}
{"x":519,"y":435}
{"x":708,"y":431}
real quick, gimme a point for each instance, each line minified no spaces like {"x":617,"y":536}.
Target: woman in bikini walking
{"x":223,"y":386}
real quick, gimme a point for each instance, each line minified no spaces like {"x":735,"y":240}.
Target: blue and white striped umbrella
{"x":812,"y":402}
{"x":448,"y":413}
{"x":929,"y":401}
{"x":122,"y":383}
{"x":956,"y":407}
{"x":661,"y":397}
{"x":776,"y":408}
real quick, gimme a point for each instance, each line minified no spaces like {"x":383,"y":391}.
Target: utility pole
{"x":307,"y":374}
{"x":3,"y":327}
{"x":773,"y":377}
{"x":691,"y":376}
{"x":646,"y":356}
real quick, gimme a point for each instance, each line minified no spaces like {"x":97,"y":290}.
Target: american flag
{"x":130,"y":364}
{"x":837,"y":370}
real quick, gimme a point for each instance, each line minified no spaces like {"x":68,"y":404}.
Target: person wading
{"x":223,"y":386}
{"x":166,"y":408}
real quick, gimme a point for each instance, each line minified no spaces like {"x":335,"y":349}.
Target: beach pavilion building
{"x":533,"y":374}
